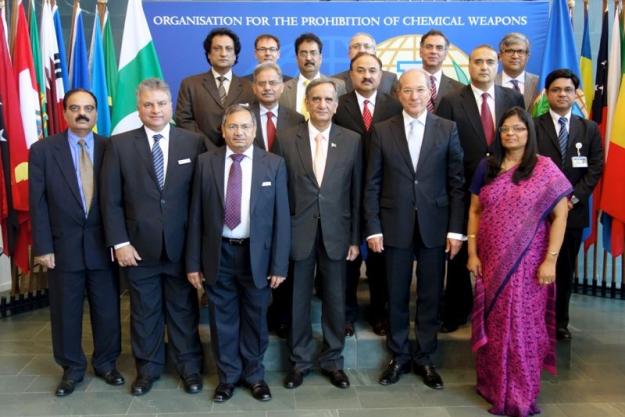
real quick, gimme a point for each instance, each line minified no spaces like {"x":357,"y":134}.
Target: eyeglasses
{"x":271,"y":83}
{"x":558,"y":90}
{"x":234,"y":127}
{"x":410,"y":91}
{"x":363,"y":46}
{"x":519,"y":52}
{"x":264,"y":50}
{"x":515,"y":129}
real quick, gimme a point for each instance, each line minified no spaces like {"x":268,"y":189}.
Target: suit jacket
{"x":393,"y":190}
{"x":336,"y":204}
{"x":447,"y":86}
{"x":586,"y":133}
{"x":199,"y":109}
{"x":287,"y":118}
{"x":530,"y":88}
{"x":270,"y":234}
{"x":463,"y":109}
{"x":134,"y":208}
{"x":387,"y":83}
{"x":289,"y":95}
{"x":58,"y":219}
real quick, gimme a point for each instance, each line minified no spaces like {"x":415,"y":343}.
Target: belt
{"x":236,"y":242}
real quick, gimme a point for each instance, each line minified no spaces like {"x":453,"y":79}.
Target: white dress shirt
{"x":263,"y":121}
{"x":556,"y":121}
{"x":506,"y":81}
{"x":301,"y":91}
{"x":370,"y":105}
{"x":242,"y":231}
{"x":162,"y":142}
{"x":477,"y":93}
{"x":438,"y":75}
{"x":227,"y":81}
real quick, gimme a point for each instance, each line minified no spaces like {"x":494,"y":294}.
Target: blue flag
{"x":79,"y":60}
{"x":61,"y":45}
{"x":98,"y":78}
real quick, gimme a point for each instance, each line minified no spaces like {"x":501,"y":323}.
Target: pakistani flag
{"x":137,"y":61}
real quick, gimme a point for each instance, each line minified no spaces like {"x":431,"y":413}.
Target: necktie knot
{"x":237,"y":157}
{"x":157,"y":137}
{"x":367,"y":117}
{"x":562,"y":121}
{"x":515,"y":85}
{"x":319,"y":138}
{"x":485,"y":96}
{"x":221,"y":79}
{"x":82,"y":143}
{"x":269,"y":115}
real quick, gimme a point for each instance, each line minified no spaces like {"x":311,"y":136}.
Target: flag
{"x":14,"y":134}
{"x":53,"y":84}
{"x":137,"y":61}
{"x":98,"y":77}
{"x":36,"y":51}
{"x":460,"y":75}
{"x":4,"y":204}
{"x":614,"y":76}
{"x":78,"y":56}
{"x":3,"y":22}
{"x":560,"y":52}
{"x":110,"y":59}
{"x":56,"y":16}
{"x":585,"y":63}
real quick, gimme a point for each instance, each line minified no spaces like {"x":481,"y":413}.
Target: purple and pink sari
{"x":513,"y":319}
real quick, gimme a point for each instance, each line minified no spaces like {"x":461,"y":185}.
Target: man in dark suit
{"x":324,"y":165}
{"x":476,"y":109}
{"x":239,"y":240}
{"x":266,"y":50}
{"x":433,"y":49}
{"x":413,"y":207}
{"x":574,"y":144}
{"x":363,"y":42}
{"x":358,"y":111}
{"x":68,"y":239}
{"x":202,"y":98}
{"x":514,"y":51}
{"x":146,"y":188}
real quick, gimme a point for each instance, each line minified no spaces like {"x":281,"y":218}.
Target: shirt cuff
{"x":121,"y":245}
{"x":456,"y":236}
{"x":375,"y":235}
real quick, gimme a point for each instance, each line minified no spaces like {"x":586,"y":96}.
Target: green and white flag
{"x":137,"y":61}
{"x":110,"y":58}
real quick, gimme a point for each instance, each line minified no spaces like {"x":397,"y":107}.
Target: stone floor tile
{"x":12,"y":364}
{"x":325,"y":397}
{"x":400,"y":396}
{"x":396,"y":412}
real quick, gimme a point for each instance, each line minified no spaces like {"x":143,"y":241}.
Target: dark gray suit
{"x":387,"y":83}
{"x":447,"y":86}
{"x":530,"y":88}
{"x":325,"y":221}
{"x":287,"y":118}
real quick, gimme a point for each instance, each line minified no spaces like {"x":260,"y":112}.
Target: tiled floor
{"x":591,"y":380}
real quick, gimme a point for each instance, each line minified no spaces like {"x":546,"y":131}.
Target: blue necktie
{"x":158,"y":161}
{"x":563,"y":137}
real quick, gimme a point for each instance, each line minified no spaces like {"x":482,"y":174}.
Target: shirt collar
{"x":313,"y":131}
{"x":301,"y":79}
{"x":479,"y":92}
{"x":505,"y":78}
{"x":151,"y":133}
{"x":74,"y":138}
{"x":264,"y":110}
{"x":361,"y":98}
{"x":438,"y":75}
{"x":228,"y":75}
{"x":556,"y":117}
{"x":408,"y":119}
{"x":248,"y":153}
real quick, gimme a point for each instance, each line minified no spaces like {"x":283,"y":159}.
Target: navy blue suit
{"x":236,"y":275}
{"x":82,"y":261}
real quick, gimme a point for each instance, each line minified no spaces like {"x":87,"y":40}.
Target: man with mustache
{"x":68,"y":239}
{"x":514,"y":51}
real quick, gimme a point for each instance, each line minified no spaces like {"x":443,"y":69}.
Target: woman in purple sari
{"x":516,"y":226}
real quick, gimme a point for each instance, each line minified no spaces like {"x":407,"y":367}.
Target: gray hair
{"x":235,"y":108}
{"x":512,"y":38}
{"x":318,"y":81}
{"x":151,"y":84}
{"x":267,"y":66}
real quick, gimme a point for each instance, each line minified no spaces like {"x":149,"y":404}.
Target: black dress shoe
{"x":349,"y":330}
{"x":380,"y":328}
{"x":430,"y":377}
{"x":66,"y":387}
{"x":562,"y":333}
{"x":393,"y":371}
{"x":260,"y":391}
{"x":294,"y":379}
{"x":338,"y":378}
{"x":449,"y":327}
{"x":112,"y":377}
{"x":223,"y":392}
{"x":192,"y":384}
{"x":142,"y":385}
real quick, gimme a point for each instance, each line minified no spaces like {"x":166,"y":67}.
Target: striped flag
{"x":58,"y":28}
{"x":98,"y":77}
{"x":51,"y":60}
{"x":36,"y":52}
{"x":78,"y":56}
{"x":585,"y":63}
{"x":110,"y":58}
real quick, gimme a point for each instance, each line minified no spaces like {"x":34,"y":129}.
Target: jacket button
{"x":416,"y":182}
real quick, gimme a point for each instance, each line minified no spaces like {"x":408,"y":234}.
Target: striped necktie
{"x":563,"y":137}
{"x":158,"y":161}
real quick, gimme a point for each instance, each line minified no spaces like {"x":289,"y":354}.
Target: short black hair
{"x":434,"y":32}
{"x":78,"y":90}
{"x":360,"y":55}
{"x":561,"y":73}
{"x":208,"y":42}
{"x":308,"y":37}
{"x":266,"y":36}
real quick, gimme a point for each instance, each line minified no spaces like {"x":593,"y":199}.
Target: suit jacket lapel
{"x":63,"y":156}
{"x":290,"y":94}
{"x":334,"y":149}
{"x":575,"y":129}
{"x":143,"y":149}
{"x":211,"y":87}
{"x":218,"y":166}
{"x":398,"y":134}
{"x":352,"y":107}
{"x":547,"y":123}
{"x":429,"y":136}
{"x":173,"y":157}
{"x":472,"y":111}
{"x":258,"y":140}
{"x":500,"y":104}
{"x":234,"y":91}
{"x":303,"y":147}
{"x":258,"y":167}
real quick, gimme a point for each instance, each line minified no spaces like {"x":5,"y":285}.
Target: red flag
{"x":52,"y":71}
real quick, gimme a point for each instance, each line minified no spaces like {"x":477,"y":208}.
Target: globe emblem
{"x":401,"y":53}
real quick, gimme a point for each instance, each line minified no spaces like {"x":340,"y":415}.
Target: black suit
{"x":287,"y":118}
{"x":324,"y":223}
{"x":236,"y":276}
{"x":83,"y":262}
{"x":447,"y":86}
{"x":585,"y":133}
{"x":199,"y":109}
{"x":414,"y":211}
{"x":464,"y":110}
{"x":349,"y":116}
{"x":387,"y":83}
{"x":154,"y":221}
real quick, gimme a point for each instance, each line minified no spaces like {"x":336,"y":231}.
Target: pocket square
{"x":266,"y":184}
{"x":184,"y":161}
{"x":333,"y":145}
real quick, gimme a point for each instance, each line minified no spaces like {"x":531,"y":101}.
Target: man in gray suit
{"x":514,"y":50}
{"x":433,"y":51}
{"x":324,"y":166}
{"x":363,"y":42}
{"x":308,"y":49}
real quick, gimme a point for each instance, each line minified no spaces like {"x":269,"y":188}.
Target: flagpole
{"x":13,"y":26}
{"x":101,"y":10}
{"x":71,"y":32}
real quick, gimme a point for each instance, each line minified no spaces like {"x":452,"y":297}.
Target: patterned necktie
{"x":515,"y":85}
{"x":413,"y":143}
{"x":271,"y":130}
{"x":433,"y":94}
{"x":86,"y":174}
{"x":319,"y":163}
{"x":303,"y":109}
{"x":486,"y":118}
{"x":563,"y":137}
{"x":367,"y":118}
{"x":232,"y":216}
{"x":158,"y":161}
{"x":222,"y":89}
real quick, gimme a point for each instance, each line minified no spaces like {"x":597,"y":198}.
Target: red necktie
{"x":487,"y":120}
{"x":271,"y":131}
{"x":367,"y":118}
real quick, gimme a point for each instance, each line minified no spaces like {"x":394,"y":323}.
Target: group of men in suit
{"x":311,"y":170}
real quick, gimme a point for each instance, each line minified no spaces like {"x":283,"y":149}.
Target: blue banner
{"x":179,"y":28}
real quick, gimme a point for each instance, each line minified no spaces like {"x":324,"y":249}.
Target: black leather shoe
{"x":65,"y":387}
{"x":112,"y":377}
{"x":430,"y":377}
{"x":349,"y":330}
{"x":393,"y":371}
{"x":223,"y":392}
{"x":448,"y":327}
{"x":562,"y":333}
{"x":294,"y":379}
{"x":142,"y":385}
{"x":192,"y":384}
{"x":260,"y":391}
{"x":380,"y":328}
{"x":338,"y":378}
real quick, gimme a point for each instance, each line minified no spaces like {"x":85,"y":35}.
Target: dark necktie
{"x":222,"y":89}
{"x":232,"y":216}
{"x":486,"y":118}
{"x":563,"y":137}
{"x":271,"y":130}
{"x":433,"y":94}
{"x":86,"y":174}
{"x":515,"y":85}
{"x":367,"y":118}
{"x":158,"y":161}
